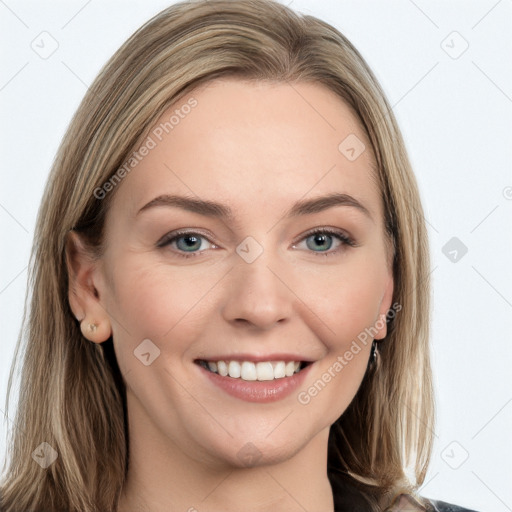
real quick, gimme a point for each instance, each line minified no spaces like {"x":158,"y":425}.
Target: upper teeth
{"x":247,"y":370}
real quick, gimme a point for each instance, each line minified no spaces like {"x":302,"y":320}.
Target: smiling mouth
{"x":250,"y":371}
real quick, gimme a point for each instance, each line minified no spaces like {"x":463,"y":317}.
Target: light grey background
{"x":455,"y":110}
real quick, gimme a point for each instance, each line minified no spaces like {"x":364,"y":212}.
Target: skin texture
{"x":257,"y":148}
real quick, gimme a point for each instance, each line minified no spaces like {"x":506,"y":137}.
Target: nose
{"x":257,"y":295}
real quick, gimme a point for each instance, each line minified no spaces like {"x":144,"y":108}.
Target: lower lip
{"x":258,"y":391}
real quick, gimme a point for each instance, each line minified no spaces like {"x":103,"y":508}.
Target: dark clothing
{"x":442,"y":506}
{"x":347,"y":498}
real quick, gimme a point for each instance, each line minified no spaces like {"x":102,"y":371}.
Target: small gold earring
{"x":92,"y":327}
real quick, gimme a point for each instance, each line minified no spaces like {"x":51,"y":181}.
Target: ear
{"x":83,"y":295}
{"x":385,"y":305}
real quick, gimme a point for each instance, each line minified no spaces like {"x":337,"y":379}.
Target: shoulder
{"x":442,"y":506}
{"x":406,"y":502}
{"x":349,"y":498}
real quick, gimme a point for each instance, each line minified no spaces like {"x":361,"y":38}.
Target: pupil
{"x":190,"y":241}
{"x":321,"y":240}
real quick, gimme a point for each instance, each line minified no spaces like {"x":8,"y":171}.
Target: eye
{"x":321,"y":240}
{"x":185,"y":242}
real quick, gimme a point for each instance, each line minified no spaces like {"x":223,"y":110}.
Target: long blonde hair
{"x":72,"y":394}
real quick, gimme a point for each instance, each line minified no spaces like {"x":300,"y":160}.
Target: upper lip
{"x":257,"y":358}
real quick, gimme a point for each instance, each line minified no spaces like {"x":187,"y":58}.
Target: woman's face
{"x":244,"y":280}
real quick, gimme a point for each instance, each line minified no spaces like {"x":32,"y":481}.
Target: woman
{"x":189,"y":344}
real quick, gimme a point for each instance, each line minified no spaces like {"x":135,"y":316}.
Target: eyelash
{"x":342,"y":237}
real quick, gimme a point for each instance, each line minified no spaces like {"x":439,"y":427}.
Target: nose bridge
{"x":257,"y":293}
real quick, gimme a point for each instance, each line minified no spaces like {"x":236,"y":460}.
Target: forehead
{"x":253,"y":143}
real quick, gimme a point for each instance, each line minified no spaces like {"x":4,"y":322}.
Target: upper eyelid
{"x":331,"y":231}
{"x":176,"y":234}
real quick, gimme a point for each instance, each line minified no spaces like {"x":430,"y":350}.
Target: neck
{"x":163,"y":478}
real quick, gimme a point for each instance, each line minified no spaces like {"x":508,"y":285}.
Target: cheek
{"x":345,"y":298}
{"x":346,"y":301}
{"x":158,"y":303}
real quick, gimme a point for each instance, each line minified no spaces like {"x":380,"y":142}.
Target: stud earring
{"x":88,"y":328}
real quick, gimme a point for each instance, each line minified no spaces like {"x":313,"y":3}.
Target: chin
{"x":256,"y":449}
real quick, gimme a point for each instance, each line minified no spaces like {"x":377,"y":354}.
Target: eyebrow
{"x":221,"y":211}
